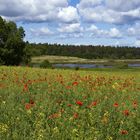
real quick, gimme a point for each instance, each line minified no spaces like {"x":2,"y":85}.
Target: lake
{"x":89,"y":65}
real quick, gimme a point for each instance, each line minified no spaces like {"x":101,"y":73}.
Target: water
{"x":133,"y":65}
{"x":89,"y":65}
{"x":80,"y":66}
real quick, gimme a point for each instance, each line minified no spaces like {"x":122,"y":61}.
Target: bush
{"x":1,"y":62}
{"x":77,"y":68}
{"x":45,"y":64}
{"x":122,"y":65}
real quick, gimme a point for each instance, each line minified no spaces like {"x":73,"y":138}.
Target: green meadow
{"x":57,"y":104}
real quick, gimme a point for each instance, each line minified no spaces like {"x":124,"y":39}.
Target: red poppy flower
{"x":124,"y":132}
{"x":135,"y":104}
{"x":75,"y":115}
{"x":29,"y":82}
{"x":55,"y":115}
{"x":126,"y":112}
{"x":25,"y":88}
{"x":68,"y":87}
{"x":31,"y":102}
{"x":115,"y":104}
{"x":75,"y":83}
{"x":27,"y":106}
{"x":79,"y":103}
{"x":94,"y":103}
{"x":69,"y":105}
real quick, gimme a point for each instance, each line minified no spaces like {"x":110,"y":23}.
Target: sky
{"x":95,"y":22}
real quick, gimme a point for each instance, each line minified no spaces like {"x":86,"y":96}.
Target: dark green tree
{"x":12,"y":45}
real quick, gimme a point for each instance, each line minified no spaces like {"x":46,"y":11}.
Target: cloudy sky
{"x":105,"y":22}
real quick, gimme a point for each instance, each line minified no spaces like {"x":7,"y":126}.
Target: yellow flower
{"x":56,"y":130}
{"x":41,"y":114}
{"x":113,"y":86}
{"x":109,"y":138}
{"x":104,"y":120}
{"x":29,"y":112}
{"x":4,"y":102}
{"x":74,"y":130}
{"x":3,"y":128}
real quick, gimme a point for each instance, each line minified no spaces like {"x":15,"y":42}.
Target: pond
{"x":89,"y":65}
{"x":133,"y":65}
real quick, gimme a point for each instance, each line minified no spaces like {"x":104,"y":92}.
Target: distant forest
{"x":82,"y":51}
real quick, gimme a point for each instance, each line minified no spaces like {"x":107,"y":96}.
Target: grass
{"x":66,"y":59}
{"x":59,"y":104}
{"x":58,"y":59}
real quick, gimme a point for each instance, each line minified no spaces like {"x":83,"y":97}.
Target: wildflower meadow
{"x":56,"y":104}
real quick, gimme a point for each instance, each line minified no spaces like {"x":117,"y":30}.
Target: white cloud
{"x":70,"y":28}
{"x":96,"y":32}
{"x":123,"y":5}
{"x":114,"y":33}
{"x":110,"y":11}
{"x":92,"y":28}
{"x":28,"y":7}
{"x":44,"y":31}
{"x":38,"y":11}
{"x":137,"y":43}
{"x":89,"y":3}
{"x":71,"y":35}
{"x":68,"y":14}
{"x":134,"y":30}
{"x":100,"y":14}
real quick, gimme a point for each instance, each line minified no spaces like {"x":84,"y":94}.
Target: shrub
{"x":45,"y":64}
{"x":122,"y":65}
{"x":77,"y":68}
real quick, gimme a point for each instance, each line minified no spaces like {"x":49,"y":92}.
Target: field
{"x":67,"y":59}
{"x":56,"y":104}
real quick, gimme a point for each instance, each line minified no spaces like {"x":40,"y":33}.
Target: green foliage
{"x":121,"y":65}
{"x":45,"y":64}
{"x":89,"y":52}
{"x":77,"y":68}
{"x":12,"y":46}
{"x":1,"y":62}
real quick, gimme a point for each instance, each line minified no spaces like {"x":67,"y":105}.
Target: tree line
{"x":89,"y":52}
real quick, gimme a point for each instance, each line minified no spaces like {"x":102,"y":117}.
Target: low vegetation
{"x":66,"y":104}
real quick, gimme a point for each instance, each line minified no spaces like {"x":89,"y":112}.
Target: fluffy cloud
{"x":110,"y":11}
{"x":112,"y":33}
{"x":134,"y":31}
{"x":137,"y":43}
{"x":71,"y":35}
{"x":44,"y":31}
{"x":123,"y":5}
{"x":27,"y":7}
{"x":89,"y":3}
{"x":70,"y":28}
{"x":38,"y":11}
{"x":74,"y":30}
{"x":68,"y":14}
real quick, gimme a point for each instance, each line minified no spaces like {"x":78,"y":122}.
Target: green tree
{"x":12,"y":45}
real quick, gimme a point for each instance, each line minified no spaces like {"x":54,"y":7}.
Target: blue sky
{"x":103,"y":22}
